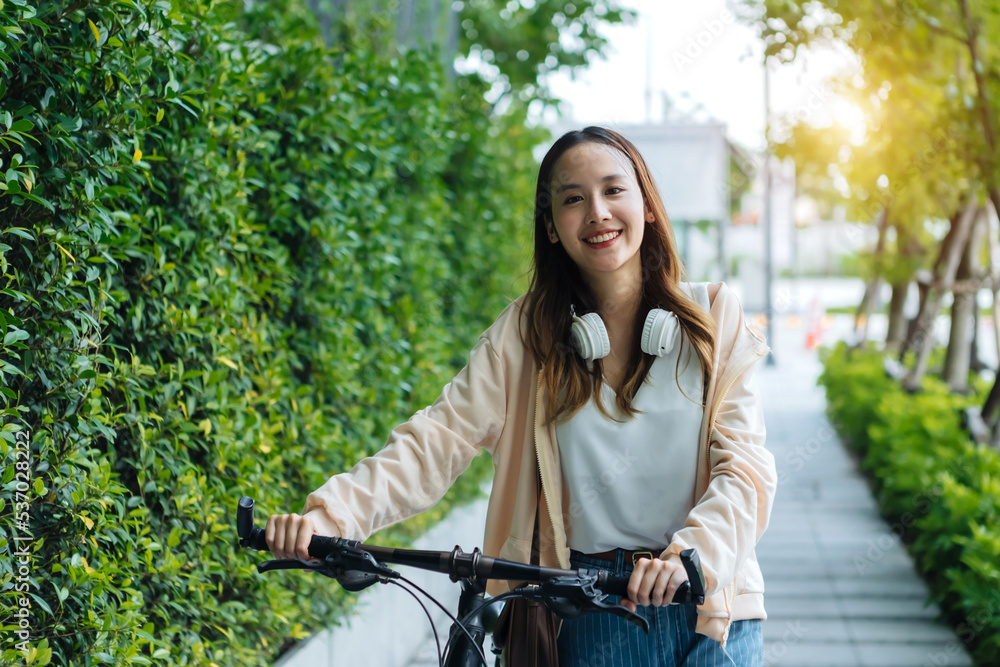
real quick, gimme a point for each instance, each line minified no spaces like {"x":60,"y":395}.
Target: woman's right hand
{"x":288,"y":536}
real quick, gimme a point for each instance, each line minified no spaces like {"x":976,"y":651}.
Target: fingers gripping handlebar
{"x":691,"y":591}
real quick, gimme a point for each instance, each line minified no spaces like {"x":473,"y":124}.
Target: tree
{"x":514,"y":44}
{"x":526,"y":40}
{"x":925,"y":144}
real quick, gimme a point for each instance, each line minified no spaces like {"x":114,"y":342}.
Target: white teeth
{"x":602,"y":238}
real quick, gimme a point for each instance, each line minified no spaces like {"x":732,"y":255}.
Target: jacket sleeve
{"x":726,"y":523}
{"x":422,"y":457}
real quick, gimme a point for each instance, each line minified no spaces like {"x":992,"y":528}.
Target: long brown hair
{"x":556,"y":284}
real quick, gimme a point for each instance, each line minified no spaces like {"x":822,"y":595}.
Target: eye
{"x":569,"y":200}
{"x":616,"y":190}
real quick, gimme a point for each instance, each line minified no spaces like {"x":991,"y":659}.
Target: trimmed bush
{"x":233,"y":259}
{"x":938,"y":489}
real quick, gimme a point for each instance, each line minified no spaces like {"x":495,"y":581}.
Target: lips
{"x":603,"y":236}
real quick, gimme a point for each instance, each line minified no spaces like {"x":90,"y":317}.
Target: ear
{"x":550,"y":229}
{"x":649,"y":215}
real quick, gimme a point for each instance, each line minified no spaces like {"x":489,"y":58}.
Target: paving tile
{"x":796,"y":630}
{"x":905,"y":654}
{"x":807,"y":588}
{"x":784,"y":609}
{"x":811,"y":654}
{"x":900,"y":587}
{"x":883,"y":608}
{"x":895,"y":631}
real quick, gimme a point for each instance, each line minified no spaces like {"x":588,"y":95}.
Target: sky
{"x":708,"y":63}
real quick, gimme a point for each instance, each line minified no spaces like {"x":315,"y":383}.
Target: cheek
{"x":563,"y":224}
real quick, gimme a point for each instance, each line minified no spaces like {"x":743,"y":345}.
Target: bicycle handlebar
{"x":363,"y":564}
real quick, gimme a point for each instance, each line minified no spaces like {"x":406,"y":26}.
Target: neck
{"x":618,"y":295}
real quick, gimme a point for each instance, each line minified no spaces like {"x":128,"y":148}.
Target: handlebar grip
{"x":320,"y":546}
{"x":253,"y":537}
{"x":617,"y":584}
{"x":256,"y":539}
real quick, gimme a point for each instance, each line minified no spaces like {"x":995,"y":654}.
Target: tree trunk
{"x":897,"y":319}
{"x":923,"y":340}
{"x":864,"y":311}
{"x":993,"y":273}
{"x":924,"y":279}
{"x":976,"y":364}
{"x":991,"y":408}
{"x":960,"y":340}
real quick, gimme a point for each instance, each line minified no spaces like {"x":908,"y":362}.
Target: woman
{"x":629,"y":393}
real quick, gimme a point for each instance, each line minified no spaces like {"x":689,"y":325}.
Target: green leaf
{"x":41,"y":603}
{"x":15,"y":335}
{"x":22,"y":125}
{"x":19,"y":231}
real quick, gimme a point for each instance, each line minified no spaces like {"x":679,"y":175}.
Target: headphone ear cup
{"x":660,"y":332}
{"x":589,"y":337}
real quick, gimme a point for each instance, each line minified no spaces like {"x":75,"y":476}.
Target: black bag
{"x":526,"y":629}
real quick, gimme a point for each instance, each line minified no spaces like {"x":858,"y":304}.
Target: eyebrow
{"x":569,"y":186}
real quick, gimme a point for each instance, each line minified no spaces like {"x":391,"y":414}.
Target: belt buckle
{"x":636,"y":555}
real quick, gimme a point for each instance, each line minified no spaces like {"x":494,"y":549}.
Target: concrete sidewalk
{"x":840,"y":588}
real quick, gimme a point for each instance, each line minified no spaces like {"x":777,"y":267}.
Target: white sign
{"x":690,"y":164}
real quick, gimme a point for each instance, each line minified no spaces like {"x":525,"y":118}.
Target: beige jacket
{"x":494,"y":403}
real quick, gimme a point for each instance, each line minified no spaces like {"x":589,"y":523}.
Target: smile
{"x":603,"y":238}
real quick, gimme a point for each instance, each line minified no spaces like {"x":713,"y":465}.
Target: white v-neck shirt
{"x":631,"y":483}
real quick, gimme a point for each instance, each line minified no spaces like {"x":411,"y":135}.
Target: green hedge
{"x":233,"y":259}
{"x":938,"y":489}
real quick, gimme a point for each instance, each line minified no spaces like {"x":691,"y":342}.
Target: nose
{"x":599,"y":210}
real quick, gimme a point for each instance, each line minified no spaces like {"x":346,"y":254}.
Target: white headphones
{"x":590,"y":337}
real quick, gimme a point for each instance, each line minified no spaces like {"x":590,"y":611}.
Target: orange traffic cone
{"x":815,"y":330}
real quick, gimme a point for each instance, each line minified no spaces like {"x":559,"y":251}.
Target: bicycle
{"x":568,"y":593}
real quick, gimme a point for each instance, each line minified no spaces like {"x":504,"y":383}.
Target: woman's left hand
{"x":654,"y":582}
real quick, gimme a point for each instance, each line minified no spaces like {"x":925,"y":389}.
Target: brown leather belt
{"x":630,"y":556}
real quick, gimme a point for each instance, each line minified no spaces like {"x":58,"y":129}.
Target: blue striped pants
{"x":604,"y":640}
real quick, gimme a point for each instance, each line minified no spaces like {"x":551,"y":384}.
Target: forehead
{"x":590,"y":160}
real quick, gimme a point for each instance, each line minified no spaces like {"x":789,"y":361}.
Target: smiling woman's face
{"x":597,"y":210}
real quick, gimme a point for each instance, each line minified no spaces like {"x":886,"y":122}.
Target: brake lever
{"x":571,"y":597}
{"x":569,"y":608}
{"x":354,"y":569}
{"x":284,"y":564}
